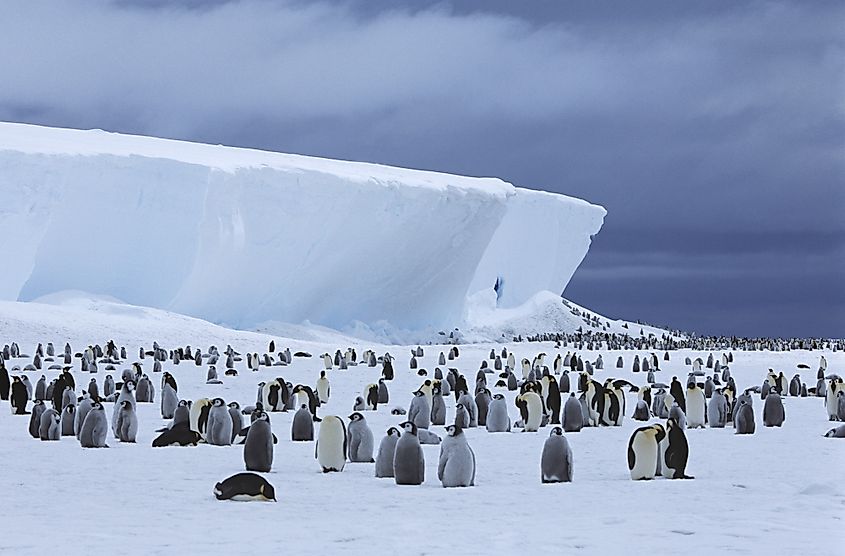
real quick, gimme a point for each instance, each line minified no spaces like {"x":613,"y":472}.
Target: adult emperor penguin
{"x":50,"y":428}
{"x":438,"y":405}
{"x":5,"y":385}
{"x":696,"y":407}
{"x":573,"y":418}
{"x":271,"y":396}
{"x":386,"y":452}
{"x":199,"y":416}
{"x":302,"y":427}
{"x":744,"y":418}
{"x":258,"y":447}
{"x":773,"y":412}
{"x":717,"y":410}
{"x":219,"y":429}
{"x":534,"y":406}
{"x":419,"y":411}
{"x":19,"y":397}
{"x":643,"y":449}
{"x":126,"y":427}
{"x":551,"y":393}
{"x":678,"y":393}
{"x":323,"y":388}
{"x":831,"y":400}
{"x":676,"y":454}
{"x":456,"y":467}
{"x":94,"y":428}
{"x":408,"y":458}
{"x":332,"y":444}
{"x":360,"y":439}
{"x":497,"y":415}
{"x":245,"y":487}
{"x":556,"y":460}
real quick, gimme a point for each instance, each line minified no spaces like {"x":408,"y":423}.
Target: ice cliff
{"x":241,"y":236}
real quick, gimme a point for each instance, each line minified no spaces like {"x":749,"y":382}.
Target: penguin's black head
{"x":183,"y":403}
{"x":234,"y":405}
{"x":556,"y":431}
{"x":218,"y":402}
{"x":356,"y":417}
{"x":393,"y":431}
{"x":422,"y":372}
{"x":267,"y":490}
{"x":409,"y":427}
{"x":454,"y":430}
{"x":498,"y":397}
{"x":459,"y":407}
{"x":419,"y":393}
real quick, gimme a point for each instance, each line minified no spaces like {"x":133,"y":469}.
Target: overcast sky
{"x":713,"y":132}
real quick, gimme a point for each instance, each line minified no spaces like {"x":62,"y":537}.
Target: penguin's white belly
{"x":645,"y":458}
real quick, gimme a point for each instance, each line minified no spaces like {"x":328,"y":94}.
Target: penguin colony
{"x":565,"y":398}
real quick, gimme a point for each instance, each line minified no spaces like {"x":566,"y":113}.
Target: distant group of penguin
{"x":658,"y":449}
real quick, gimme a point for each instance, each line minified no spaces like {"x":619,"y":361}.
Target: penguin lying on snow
{"x":245,"y":487}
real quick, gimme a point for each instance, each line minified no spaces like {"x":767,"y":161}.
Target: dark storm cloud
{"x":711,"y":131}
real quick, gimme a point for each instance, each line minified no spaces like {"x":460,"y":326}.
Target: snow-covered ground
{"x":778,"y":491}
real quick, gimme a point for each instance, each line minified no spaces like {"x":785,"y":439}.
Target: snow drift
{"x":242,"y":236}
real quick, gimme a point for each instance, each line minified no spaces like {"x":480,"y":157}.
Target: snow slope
{"x":776,"y":492}
{"x":242,"y":236}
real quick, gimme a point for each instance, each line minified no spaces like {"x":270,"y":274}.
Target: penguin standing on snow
{"x":94,"y":428}
{"x":219,"y":429}
{"x":302,"y":427}
{"x":556,"y":460}
{"x":258,"y":447}
{"x":497,"y":415}
{"x":456,"y":467}
{"x":360,"y":439}
{"x":332,"y":444}
{"x":643,"y":451}
{"x":19,"y":397}
{"x":773,"y":412}
{"x":677,"y":450}
{"x":408,"y":459}
{"x":386,"y":452}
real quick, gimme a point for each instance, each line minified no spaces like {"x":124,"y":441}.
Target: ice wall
{"x":241,"y":236}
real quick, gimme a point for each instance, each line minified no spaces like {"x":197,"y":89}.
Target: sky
{"x":713,"y":131}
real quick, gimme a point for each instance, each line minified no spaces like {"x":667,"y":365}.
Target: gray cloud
{"x":713,"y":132}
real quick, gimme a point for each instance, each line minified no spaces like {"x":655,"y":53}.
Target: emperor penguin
{"x":676,"y":413}
{"x":245,"y":487}
{"x":126,"y":426}
{"x":497,"y":415}
{"x":271,"y":396}
{"x":360,"y":439}
{"x":482,"y":404}
{"x":371,"y":392}
{"x":551,"y":393}
{"x":456,"y":467}
{"x":573,"y":419}
{"x":563,"y":384}
{"x":556,"y":459}
{"x":144,"y":390}
{"x":472,"y":408}
{"x":438,"y":405}
{"x":678,"y":394}
{"x":169,"y":401}
{"x":237,"y":419}
{"x":744,"y":418}
{"x":41,"y":389}
{"x":534,"y":405}
{"x":94,"y":428}
{"x":323,"y":388}
{"x":676,"y":454}
{"x":408,"y":458}
{"x":305,"y":395}
{"x":641,"y":411}
{"x":94,"y":390}
{"x":643,"y":450}
{"x":67,"y":419}
{"x":419,"y":411}
{"x":50,"y":428}
{"x":199,"y":416}
{"x":302,"y":427}
{"x":126,"y":394}
{"x":831,"y":400}
{"x":696,"y":407}
{"x":773,"y":412}
{"x":219,"y":428}
{"x":717,"y":410}
{"x":38,"y":409}
{"x":386,"y":452}
{"x":838,"y":432}
{"x":258,"y":447}
{"x":68,"y":397}
{"x":332,"y":444}
{"x":383,"y":393}
{"x":461,"y":416}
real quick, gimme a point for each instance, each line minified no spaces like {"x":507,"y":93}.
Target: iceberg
{"x":244,"y":236}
